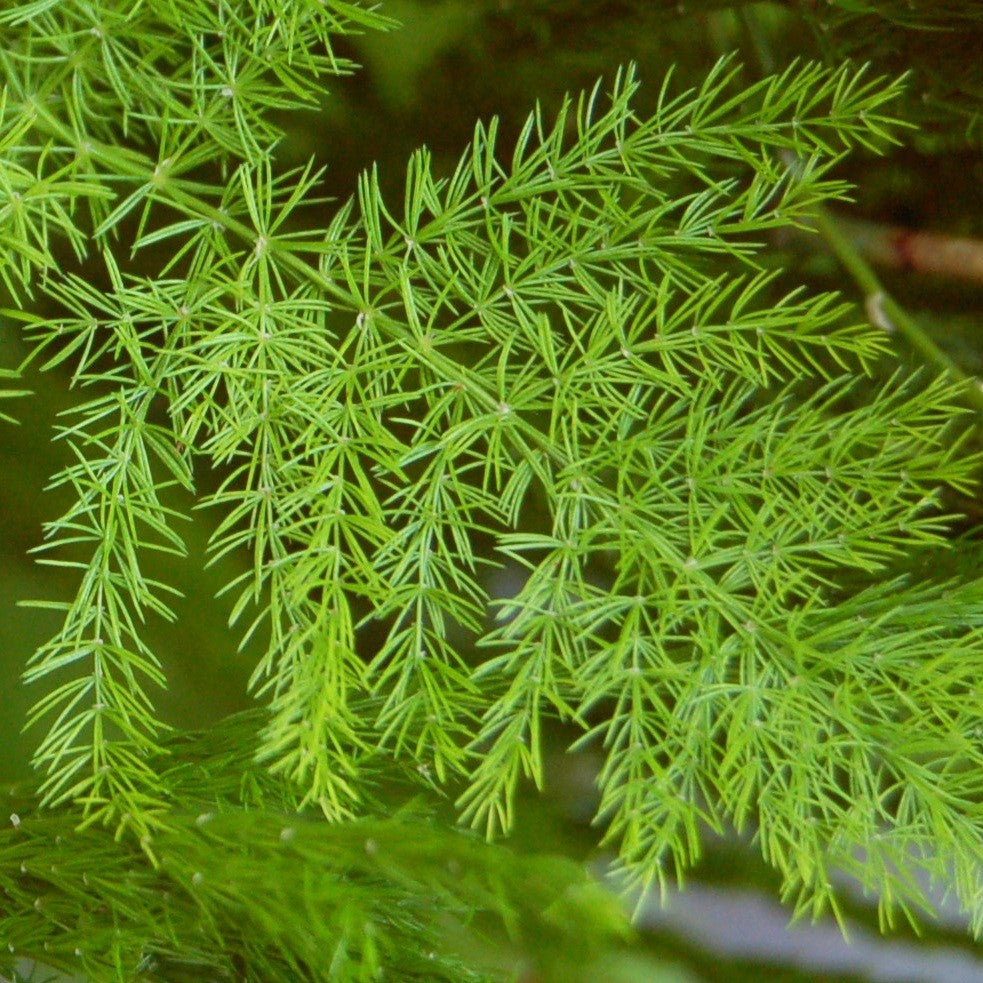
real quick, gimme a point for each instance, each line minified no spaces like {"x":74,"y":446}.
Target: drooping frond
{"x":238,"y":883}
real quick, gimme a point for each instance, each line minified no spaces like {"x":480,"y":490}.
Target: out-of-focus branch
{"x":898,"y":248}
{"x":884,"y":311}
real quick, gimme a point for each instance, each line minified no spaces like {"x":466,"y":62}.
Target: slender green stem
{"x":885,"y":311}
{"x":922,"y":251}
{"x":762,"y":49}
{"x":882,"y":309}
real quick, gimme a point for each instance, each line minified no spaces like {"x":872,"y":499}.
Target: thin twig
{"x":882,"y":309}
{"x":898,"y":248}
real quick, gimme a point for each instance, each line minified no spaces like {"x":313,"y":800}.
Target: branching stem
{"x":882,"y":309}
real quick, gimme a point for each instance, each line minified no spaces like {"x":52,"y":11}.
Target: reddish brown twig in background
{"x":898,"y":248}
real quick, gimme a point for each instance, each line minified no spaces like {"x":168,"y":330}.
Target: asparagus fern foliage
{"x":560,"y":366}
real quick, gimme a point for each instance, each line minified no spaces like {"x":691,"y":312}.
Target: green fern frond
{"x":266,"y":892}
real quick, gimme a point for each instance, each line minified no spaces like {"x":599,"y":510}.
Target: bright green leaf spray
{"x":562,"y":360}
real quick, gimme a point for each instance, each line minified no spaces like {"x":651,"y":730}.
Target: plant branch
{"x":884,"y":311}
{"x":899,"y":248}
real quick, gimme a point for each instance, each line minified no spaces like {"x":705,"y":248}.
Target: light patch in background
{"x":746,"y":925}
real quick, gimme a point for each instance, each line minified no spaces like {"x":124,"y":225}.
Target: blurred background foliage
{"x":454,"y":61}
